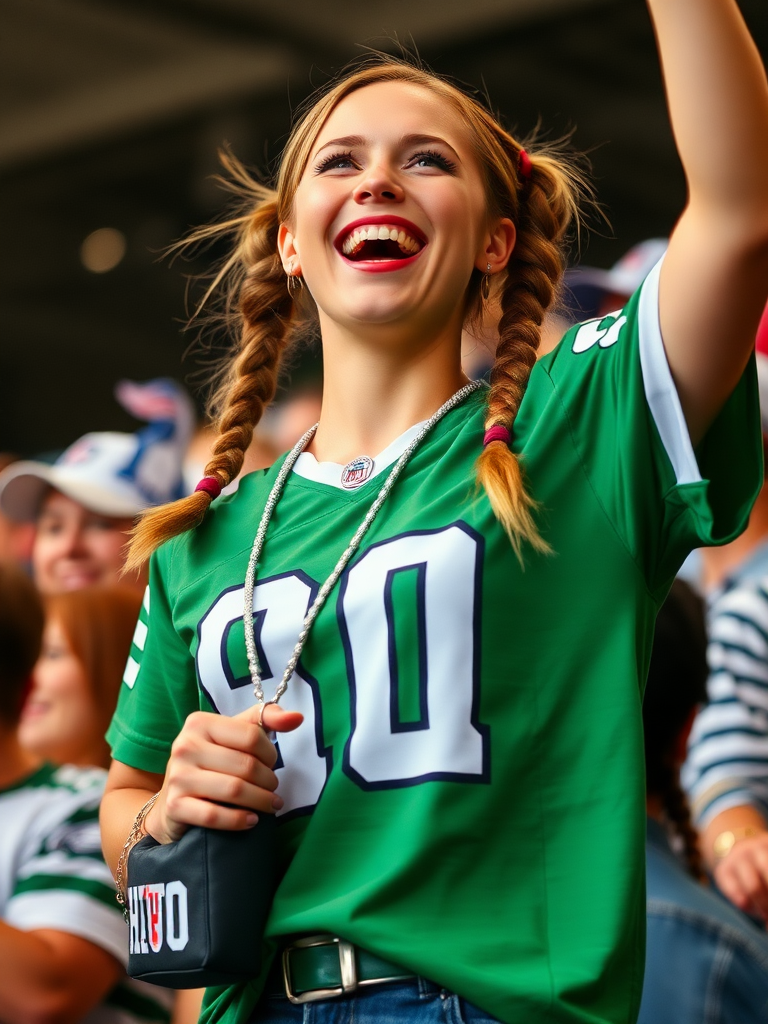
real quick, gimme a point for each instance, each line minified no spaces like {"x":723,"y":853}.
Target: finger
{"x":192,"y":811}
{"x":274,"y":719}
{"x":279,"y":720}
{"x":241,"y":733}
{"x":217,"y":788}
{"x":730,"y":886}
{"x":759,"y":853}
{"x":750,"y":881}
{"x":236,"y":763}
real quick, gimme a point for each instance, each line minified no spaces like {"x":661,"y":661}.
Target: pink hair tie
{"x":524,"y":165}
{"x":496,"y":433}
{"x":210,"y":485}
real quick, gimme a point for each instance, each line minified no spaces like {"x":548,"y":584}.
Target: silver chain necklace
{"x":327,"y":587}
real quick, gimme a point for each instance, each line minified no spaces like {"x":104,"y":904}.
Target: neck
{"x":719,"y":563}
{"x":375,"y":389}
{"x":82,"y":755}
{"x":15,"y":762}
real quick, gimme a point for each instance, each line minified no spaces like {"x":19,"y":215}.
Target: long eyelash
{"x":328,"y":160}
{"x":439,"y":158}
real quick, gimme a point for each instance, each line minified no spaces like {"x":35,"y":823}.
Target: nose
{"x":378,"y":185}
{"x":72,"y":542}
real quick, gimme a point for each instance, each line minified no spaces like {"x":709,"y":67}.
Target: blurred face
{"x":59,"y":721}
{"x":390,"y":217}
{"x":76,"y":548}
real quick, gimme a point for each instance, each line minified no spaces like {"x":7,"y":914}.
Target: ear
{"x":289,"y":253}
{"x":498,"y":244}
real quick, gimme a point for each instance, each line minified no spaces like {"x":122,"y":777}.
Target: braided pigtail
{"x":547,"y":205}
{"x":678,"y":813}
{"x":259,"y":308}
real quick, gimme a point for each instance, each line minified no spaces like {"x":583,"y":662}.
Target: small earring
{"x":485,"y":284}
{"x":293,"y":281}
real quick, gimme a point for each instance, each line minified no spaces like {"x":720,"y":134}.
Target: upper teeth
{"x":382,"y":233}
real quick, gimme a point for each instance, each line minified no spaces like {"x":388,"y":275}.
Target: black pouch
{"x":197,"y":908}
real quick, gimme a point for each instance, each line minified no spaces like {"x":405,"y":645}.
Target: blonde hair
{"x":264,"y":315}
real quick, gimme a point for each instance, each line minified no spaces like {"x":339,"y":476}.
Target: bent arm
{"x":127,"y":790}
{"x":51,"y":977}
{"x":219,"y":775}
{"x":715,"y":276}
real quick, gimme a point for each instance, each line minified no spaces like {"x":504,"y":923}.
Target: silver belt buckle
{"x":346,"y":963}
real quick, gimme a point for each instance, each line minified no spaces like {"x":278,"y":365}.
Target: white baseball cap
{"x":111,"y":473}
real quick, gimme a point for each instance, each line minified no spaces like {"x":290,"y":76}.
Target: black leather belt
{"x":325,"y":967}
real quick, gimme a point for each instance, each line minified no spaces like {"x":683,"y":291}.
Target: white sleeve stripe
{"x":705,"y":812}
{"x":65,"y":866}
{"x":737,"y":662}
{"x":71,"y":912}
{"x":660,"y":391}
{"x":749,"y":608}
{"x":749,"y":602}
{"x":735,"y":629}
{"x":723,"y":686}
{"x":140,"y":634}
{"x":131,"y":672}
{"x":729,"y":747}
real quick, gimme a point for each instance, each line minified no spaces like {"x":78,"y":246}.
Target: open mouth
{"x":34,"y":708}
{"x":380,"y":243}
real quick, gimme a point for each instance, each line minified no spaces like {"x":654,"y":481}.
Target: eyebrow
{"x":349,"y":141}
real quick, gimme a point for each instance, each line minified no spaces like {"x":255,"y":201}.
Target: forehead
{"x":395,"y":109}
{"x":58,"y":503}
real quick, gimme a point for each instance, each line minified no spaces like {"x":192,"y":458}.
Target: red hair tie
{"x":524,"y":165}
{"x":210,"y":485}
{"x":496,"y":433}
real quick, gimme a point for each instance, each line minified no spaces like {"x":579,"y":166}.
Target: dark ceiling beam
{"x":161,"y":71}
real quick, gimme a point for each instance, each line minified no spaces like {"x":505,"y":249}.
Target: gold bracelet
{"x":137,"y":833}
{"x":726,"y":841}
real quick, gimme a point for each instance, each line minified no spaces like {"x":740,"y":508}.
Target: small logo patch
{"x":356,"y":472}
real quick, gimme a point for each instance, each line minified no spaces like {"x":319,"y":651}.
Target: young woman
{"x":75,"y":683}
{"x":85,"y":644}
{"x":458,"y":776}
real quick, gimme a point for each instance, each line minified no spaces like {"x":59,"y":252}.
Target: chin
{"x":79,"y":582}
{"x":378,"y":310}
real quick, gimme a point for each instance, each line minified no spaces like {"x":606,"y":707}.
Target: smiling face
{"x":75,"y":547}
{"x":60,"y":721}
{"x":390,"y":217}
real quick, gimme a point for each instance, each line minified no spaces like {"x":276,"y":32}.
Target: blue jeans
{"x":412,"y":1001}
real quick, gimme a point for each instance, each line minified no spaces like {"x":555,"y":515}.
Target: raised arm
{"x":714,"y":280}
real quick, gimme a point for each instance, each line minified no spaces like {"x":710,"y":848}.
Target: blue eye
{"x":429,"y":158}
{"x":340,"y":161}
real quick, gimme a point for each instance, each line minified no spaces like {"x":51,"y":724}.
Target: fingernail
{"x":277,"y":802}
{"x":251,"y":818}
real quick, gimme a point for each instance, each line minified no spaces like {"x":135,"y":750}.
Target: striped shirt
{"x":727,"y":763}
{"x":52,"y":875}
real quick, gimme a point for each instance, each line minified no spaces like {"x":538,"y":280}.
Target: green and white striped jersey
{"x":52,"y":875}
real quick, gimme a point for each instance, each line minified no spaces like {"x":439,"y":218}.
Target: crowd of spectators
{"x":67,"y":621}
{"x":68,"y":615}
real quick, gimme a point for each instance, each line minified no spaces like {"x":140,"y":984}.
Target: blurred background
{"x":112,"y":111}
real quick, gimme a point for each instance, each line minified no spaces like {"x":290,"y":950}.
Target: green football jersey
{"x":466,"y":794}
